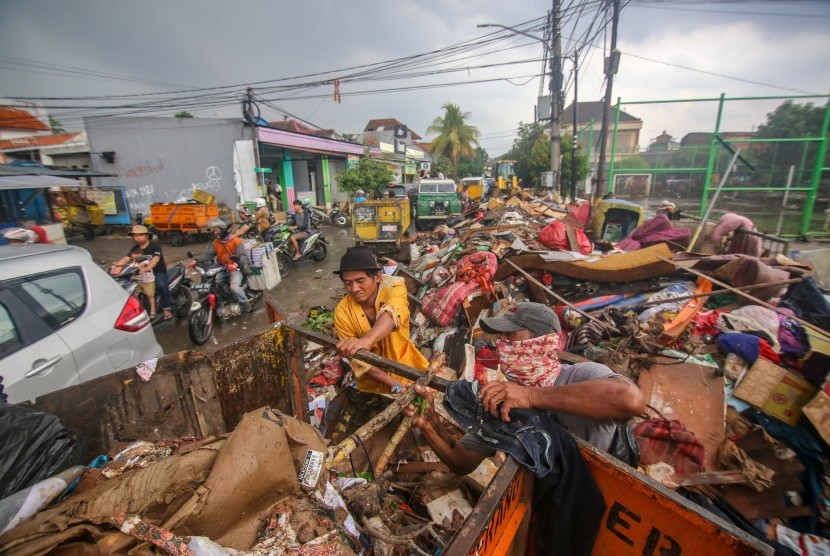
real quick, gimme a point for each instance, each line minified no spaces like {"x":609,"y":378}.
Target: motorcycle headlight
{"x":214,"y":271}
{"x":446,"y":203}
{"x":431,"y":204}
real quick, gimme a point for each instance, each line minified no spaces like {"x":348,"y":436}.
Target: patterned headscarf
{"x":531,"y":362}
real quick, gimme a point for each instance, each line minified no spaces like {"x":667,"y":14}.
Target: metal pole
{"x":555,"y":97}
{"x":610,"y":70}
{"x":784,"y":201}
{"x":714,"y":200}
{"x":574,"y":142}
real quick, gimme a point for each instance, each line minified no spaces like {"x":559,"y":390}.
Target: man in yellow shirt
{"x":374,"y":315}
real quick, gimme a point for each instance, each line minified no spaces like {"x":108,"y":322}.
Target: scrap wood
{"x":747,"y":296}
{"x":504,"y":227}
{"x":709,"y":478}
{"x":347,"y":446}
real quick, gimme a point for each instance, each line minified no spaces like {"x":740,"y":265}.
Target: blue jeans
{"x":235,"y":279}
{"x":163,"y":288}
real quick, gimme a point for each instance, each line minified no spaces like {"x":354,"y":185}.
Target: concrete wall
{"x":160,"y":160}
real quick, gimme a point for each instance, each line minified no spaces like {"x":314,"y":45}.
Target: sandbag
{"x":35,"y":446}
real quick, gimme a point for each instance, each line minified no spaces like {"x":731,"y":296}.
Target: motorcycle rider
{"x":141,"y":237}
{"x":225,"y":246}
{"x":264,"y":220}
{"x":302,"y":227}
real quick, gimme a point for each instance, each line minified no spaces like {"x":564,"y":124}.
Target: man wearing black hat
{"x":374,"y":315}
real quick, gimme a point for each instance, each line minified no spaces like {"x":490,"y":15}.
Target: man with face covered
{"x":588,"y":399}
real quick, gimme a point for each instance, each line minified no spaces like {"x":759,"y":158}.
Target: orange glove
{"x":232,"y":267}
{"x":191,"y":264}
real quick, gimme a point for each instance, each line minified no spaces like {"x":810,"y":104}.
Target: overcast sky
{"x":58,"y":48}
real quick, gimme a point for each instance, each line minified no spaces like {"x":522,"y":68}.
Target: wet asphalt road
{"x":307,"y":285}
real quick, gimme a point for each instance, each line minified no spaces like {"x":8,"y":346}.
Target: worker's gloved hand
{"x":500,"y":397}
{"x":232,"y":267}
{"x":191,"y":264}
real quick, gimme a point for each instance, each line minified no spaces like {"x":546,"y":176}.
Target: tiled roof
{"x":388,"y":124}
{"x":38,"y":141}
{"x":20,"y":119}
{"x":585,"y":111}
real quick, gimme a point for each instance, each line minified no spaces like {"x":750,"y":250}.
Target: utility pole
{"x":249,"y":95}
{"x":611,"y":65}
{"x":556,"y":98}
{"x":574,"y":142}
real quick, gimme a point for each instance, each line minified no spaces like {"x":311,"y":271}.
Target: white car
{"x":63,"y":321}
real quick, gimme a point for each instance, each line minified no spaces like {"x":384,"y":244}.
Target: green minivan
{"x":435,"y":201}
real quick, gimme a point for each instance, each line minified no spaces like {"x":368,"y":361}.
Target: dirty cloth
{"x":730,"y":222}
{"x":555,"y":236}
{"x":656,"y":230}
{"x":566,"y":498}
{"x":747,"y":347}
{"x":743,"y":270}
{"x":808,"y":303}
{"x":350,"y":321}
{"x":531,"y":362}
{"x":668,"y":441}
{"x":791,"y":334}
{"x":474,"y":273}
{"x":752,"y":318}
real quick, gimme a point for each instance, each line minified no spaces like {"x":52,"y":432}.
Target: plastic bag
{"x":554,"y":236}
{"x":35,"y":446}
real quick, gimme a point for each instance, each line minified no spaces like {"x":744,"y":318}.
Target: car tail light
{"x":133,"y":317}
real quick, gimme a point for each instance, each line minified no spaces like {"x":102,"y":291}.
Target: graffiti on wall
{"x":142,"y":196}
{"x":141,"y":170}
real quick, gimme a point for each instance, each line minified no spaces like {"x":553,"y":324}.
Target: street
{"x":309,"y":284}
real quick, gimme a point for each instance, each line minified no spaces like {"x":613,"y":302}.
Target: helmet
{"x":359,"y":192}
{"x":244,"y":213}
{"x":20,"y":235}
{"x":260,"y":202}
{"x":221,"y":229}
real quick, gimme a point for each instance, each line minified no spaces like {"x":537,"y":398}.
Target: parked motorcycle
{"x":215,"y":300}
{"x":181,"y":292}
{"x":320,"y":217}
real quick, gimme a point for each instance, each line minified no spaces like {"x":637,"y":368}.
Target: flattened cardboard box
{"x":817,"y":411}
{"x":775,"y":391}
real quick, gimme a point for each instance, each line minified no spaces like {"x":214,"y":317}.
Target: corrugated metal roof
{"x":35,"y":182}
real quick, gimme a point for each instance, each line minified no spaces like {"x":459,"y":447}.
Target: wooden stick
{"x":715,"y":292}
{"x":347,"y":446}
{"x":746,"y":295}
{"x":436,"y":363}
{"x":560,"y":298}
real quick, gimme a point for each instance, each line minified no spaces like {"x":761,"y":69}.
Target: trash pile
{"x":703,"y":335}
{"x":755,"y":328}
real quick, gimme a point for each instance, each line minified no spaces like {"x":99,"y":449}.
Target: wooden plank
{"x":693,"y":395}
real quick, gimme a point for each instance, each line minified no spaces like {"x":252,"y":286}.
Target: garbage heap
{"x":730,"y":351}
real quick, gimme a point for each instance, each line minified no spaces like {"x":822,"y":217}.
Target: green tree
{"x":56,"y":126}
{"x":530,"y":158}
{"x":472,"y":166}
{"x":635,"y":161}
{"x":581,"y":165}
{"x":368,"y":174}
{"x":455,"y":136}
{"x":183,"y":114}
{"x":788,"y":120}
{"x":443,"y":166}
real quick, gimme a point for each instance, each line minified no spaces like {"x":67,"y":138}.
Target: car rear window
{"x":61,"y":294}
{"x":9,"y":337}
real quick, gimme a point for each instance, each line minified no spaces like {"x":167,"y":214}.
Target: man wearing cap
{"x":374,"y":315}
{"x":669,"y":209}
{"x":141,"y":236}
{"x":588,"y":399}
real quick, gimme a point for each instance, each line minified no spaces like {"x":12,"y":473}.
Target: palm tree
{"x":455,"y":137}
